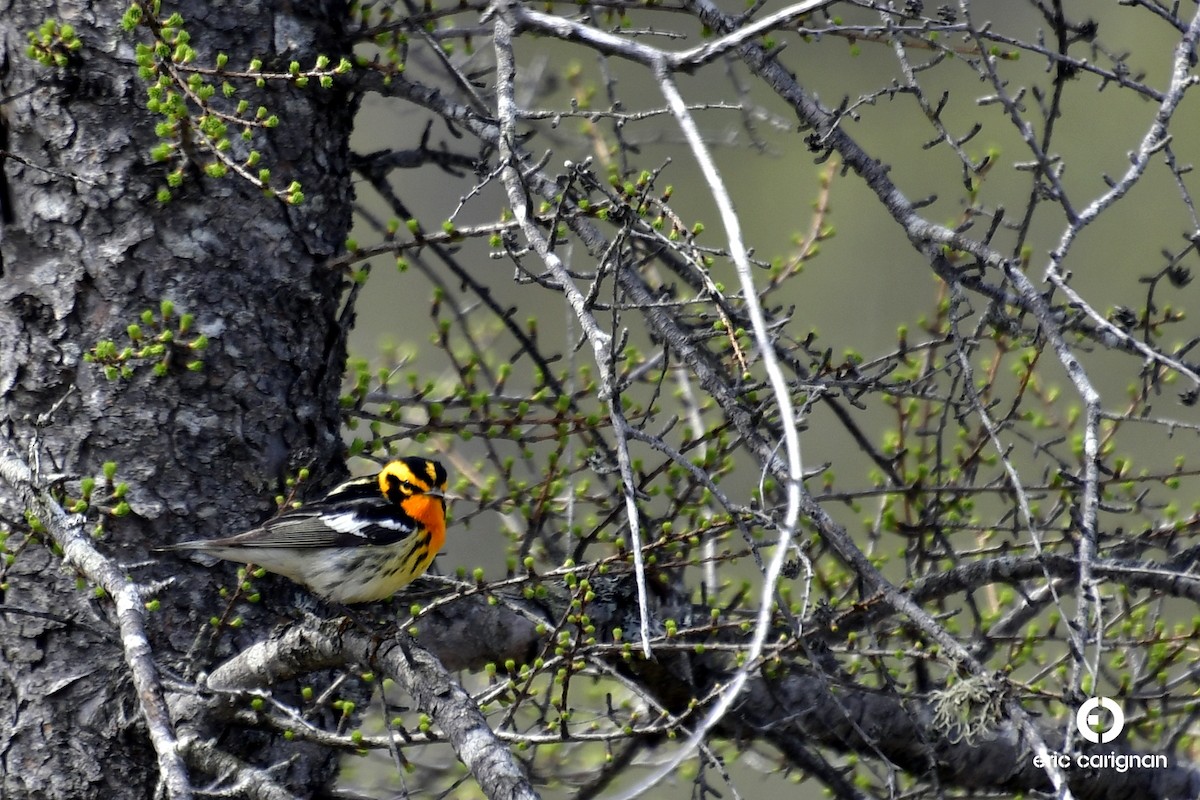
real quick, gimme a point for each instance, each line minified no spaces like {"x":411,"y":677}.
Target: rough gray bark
{"x":88,"y":248}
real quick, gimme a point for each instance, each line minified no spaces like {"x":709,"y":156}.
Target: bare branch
{"x":66,"y":531}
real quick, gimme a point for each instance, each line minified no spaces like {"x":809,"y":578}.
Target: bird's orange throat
{"x":430,"y":512}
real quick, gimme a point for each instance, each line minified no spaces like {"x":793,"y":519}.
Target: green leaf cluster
{"x":158,"y":340}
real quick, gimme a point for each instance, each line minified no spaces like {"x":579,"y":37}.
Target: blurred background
{"x":863,"y":282}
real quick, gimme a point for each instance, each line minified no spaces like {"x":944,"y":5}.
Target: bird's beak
{"x":435,"y":493}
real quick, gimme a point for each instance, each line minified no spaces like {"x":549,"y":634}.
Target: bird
{"x":366,"y":539}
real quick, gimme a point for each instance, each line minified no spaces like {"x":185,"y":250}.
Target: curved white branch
{"x":783,"y":401}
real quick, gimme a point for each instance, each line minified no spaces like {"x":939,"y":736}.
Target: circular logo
{"x":1088,"y":720}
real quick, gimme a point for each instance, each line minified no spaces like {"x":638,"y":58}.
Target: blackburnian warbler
{"x":363,"y":541}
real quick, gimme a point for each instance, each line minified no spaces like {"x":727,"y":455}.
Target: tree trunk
{"x":87,"y":248}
